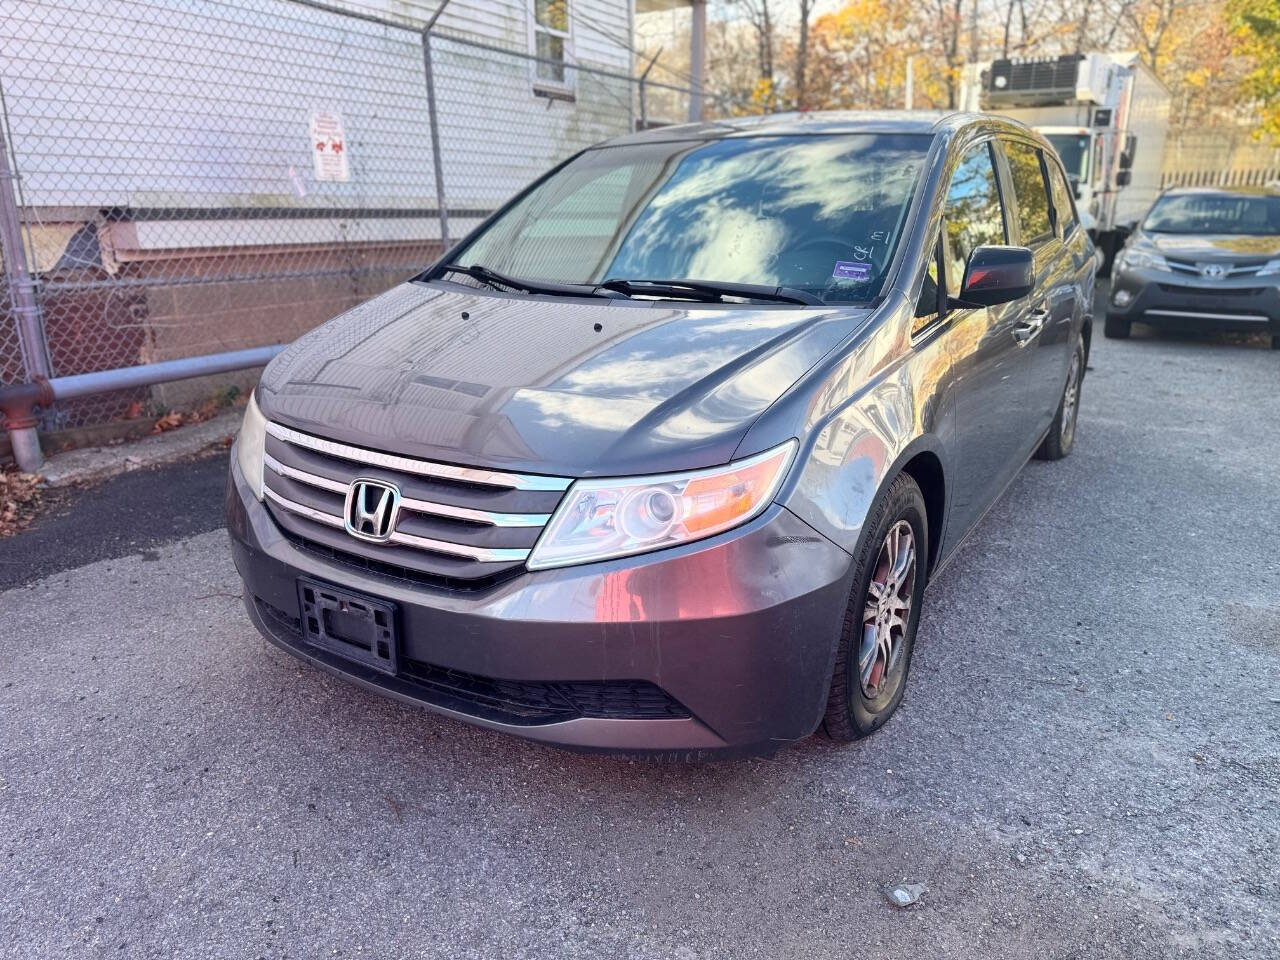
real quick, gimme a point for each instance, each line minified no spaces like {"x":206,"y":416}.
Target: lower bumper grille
{"x":514,"y":702}
{"x":518,"y":701}
{"x":1215,"y":292}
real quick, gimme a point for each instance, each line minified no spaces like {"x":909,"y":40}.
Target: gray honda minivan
{"x":663,"y":454}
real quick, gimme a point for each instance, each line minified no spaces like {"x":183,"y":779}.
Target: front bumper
{"x":738,"y":631}
{"x":1180,"y":301}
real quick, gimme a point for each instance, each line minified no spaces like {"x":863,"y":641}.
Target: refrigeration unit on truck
{"x":1105,"y":113}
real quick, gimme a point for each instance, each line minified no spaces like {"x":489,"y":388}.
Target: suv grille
{"x":454,"y":524}
{"x":1232,"y":269}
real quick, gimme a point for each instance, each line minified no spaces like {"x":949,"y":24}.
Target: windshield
{"x":1215,"y":213}
{"x":820,"y":214}
{"x":1073,"y":148}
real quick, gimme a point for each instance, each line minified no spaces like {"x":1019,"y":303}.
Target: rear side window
{"x":972,"y":215}
{"x":1064,"y":214}
{"x":1030,"y":193}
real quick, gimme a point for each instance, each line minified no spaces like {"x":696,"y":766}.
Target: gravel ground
{"x":1087,"y":763}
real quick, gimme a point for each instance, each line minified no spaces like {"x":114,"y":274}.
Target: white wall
{"x":174,"y":104}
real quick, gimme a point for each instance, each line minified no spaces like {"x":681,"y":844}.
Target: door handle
{"x":1029,"y":327}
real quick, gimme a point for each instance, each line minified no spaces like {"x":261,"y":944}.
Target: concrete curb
{"x":96,"y":463}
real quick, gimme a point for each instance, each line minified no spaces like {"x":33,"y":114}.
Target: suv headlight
{"x":602,"y":519}
{"x":251,"y":445}
{"x":1142,"y":260}
{"x":1269,"y":268}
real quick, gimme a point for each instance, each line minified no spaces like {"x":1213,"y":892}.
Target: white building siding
{"x":601,"y":28}
{"x":115,"y":103}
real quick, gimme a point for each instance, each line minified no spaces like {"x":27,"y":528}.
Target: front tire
{"x":874,"y":654}
{"x":1062,"y":434}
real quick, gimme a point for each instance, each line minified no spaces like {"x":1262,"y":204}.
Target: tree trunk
{"x":802,"y":53}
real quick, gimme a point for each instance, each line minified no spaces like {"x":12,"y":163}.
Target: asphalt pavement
{"x":1087,"y":762}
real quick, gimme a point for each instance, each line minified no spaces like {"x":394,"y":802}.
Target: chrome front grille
{"x":454,"y":523}
{"x":1229,"y":269}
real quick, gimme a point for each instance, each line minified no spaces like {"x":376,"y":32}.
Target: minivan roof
{"x":819,"y":121}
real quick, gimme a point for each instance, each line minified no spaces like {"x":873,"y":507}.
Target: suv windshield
{"x":1215,"y":213}
{"x":819,"y":214}
{"x":1073,"y":148}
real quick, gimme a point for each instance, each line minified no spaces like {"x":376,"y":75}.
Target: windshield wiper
{"x":500,"y":281}
{"x":712,"y":290}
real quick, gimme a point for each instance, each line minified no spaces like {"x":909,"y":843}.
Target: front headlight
{"x":1142,"y":260}
{"x":1269,"y":268}
{"x":251,"y":445}
{"x":601,"y":519}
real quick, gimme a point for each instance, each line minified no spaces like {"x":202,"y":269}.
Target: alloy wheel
{"x":888,"y":609}
{"x":1071,"y":401}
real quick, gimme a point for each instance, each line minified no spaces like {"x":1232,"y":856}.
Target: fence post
{"x":644,"y":76}
{"x":26,"y":309}
{"x":697,"y":58}
{"x":433,"y":119}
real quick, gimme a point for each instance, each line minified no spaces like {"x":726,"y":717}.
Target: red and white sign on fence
{"x":329,"y":146}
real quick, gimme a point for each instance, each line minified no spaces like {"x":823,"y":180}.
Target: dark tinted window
{"x":972,"y":212}
{"x":1030,"y":193}
{"x":1064,"y":212}
{"x":819,"y":213}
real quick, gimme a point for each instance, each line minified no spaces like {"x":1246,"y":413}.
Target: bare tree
{"x":950,"y":17}
{"x":1149,"y":26}
{"x":760,"y":16}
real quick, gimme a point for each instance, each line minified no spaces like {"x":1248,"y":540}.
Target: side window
{"x":1064,"y":214}
{"x":928,"y":306}
{"x":1029,"y":192}
{"x":552,"y":43}
{"x":971,"y":214}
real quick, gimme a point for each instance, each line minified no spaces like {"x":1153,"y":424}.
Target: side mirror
{"x":1128,"y":150}
{"x":996,"y":275}
{"x":1123,"y":178}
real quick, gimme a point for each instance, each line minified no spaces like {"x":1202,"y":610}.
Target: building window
{"x":552,"y":43}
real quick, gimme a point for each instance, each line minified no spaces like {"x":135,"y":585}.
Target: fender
{"x":871,"y":425}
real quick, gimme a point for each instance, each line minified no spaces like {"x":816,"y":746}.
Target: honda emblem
{"x":371,"y":510}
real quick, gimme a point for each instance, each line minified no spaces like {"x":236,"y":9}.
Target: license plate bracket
{"x":352,"y":625}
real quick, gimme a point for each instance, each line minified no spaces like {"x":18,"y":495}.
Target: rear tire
{"x":1116,"y":328}
{"x":1062,"y":434}
{"x":872,"y":663}
{"x":1275,"y":341}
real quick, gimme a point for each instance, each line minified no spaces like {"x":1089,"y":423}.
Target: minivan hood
{"x":1209,"y":247}
{"x":565,"y":387}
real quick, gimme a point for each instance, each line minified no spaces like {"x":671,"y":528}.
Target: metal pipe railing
{"x":18,"y":401}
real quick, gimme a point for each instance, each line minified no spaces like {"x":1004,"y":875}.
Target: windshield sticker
{"x":852,"y":270}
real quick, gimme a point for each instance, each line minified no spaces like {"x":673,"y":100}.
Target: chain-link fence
{"x":198,"y":176}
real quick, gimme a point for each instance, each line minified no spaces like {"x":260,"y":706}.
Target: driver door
{"x":991,"y":427}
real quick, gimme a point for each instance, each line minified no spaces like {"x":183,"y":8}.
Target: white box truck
{"x":1105,"y":113}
